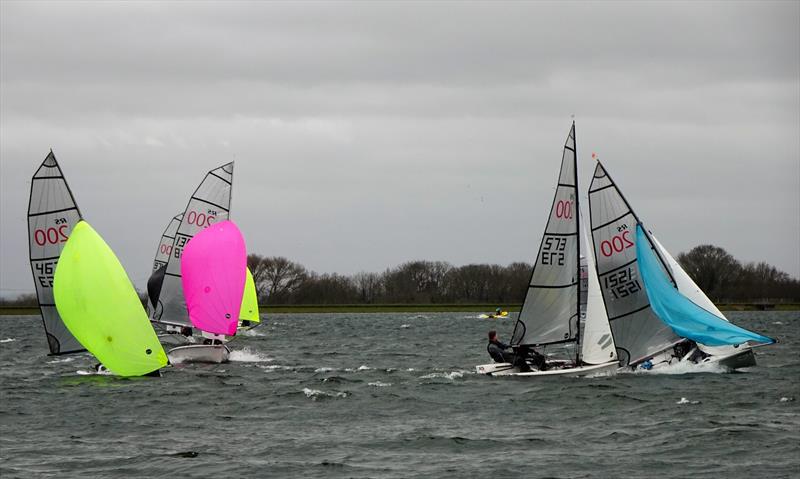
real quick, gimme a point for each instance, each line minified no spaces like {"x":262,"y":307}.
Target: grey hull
{"x":199,"y":353}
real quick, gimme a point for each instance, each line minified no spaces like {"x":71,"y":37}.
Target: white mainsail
{"x":52,"y":213}
{"x":209,"y":204}
{"x":638,"y":332}
{"x":550,"y":313}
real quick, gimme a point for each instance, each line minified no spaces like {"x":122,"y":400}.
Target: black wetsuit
{"x":499,"y":352}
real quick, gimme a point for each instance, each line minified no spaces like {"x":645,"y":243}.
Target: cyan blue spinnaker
{"x":687,"y":319}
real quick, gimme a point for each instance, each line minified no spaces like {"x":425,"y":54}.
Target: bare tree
{"x":712,"y":268}
{"x":369,"y":286}
{"x":277,"y":278}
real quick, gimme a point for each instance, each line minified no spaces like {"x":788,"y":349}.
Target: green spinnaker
{"x":249,"y":311}
{"x":100,"y":307}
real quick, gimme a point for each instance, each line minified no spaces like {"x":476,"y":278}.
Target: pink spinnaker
{"x":213,"y":266}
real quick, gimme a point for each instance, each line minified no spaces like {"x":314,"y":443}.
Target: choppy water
{"x":392,"y":395}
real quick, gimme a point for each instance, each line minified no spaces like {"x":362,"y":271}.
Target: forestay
{"x":214,"y":266}
{"x":687,"y":319}
{"x":163,"y":252}
{"x":549,"y":312}
{"x":100,"y":306}
{"x":638,"y":332}
{"x":52,"y":214}
{"x":209,"y":204}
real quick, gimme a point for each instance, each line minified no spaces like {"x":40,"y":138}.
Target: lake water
{"x":393,"y":395}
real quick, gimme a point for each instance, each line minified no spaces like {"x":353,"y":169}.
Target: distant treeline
{"x":280,"y":281}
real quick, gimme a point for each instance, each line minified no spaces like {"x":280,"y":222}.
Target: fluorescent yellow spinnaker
{"x":249,"y":311}
{"x":100,"y":307}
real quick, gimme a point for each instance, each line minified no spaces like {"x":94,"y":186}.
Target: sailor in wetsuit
{"x":499,"y":351}
{"x":502,"y":353}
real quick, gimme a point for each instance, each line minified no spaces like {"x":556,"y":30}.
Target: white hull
{"x":200,"y":353}
{"x":507,"y":369}
{"x":743,"y":358}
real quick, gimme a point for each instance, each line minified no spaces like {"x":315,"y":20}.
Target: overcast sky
{"x":368,"y":134}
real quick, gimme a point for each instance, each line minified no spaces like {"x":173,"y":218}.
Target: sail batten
{"x":52,"y":214}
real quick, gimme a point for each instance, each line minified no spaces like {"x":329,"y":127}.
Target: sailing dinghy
{"x":52,"y":213}
{"x":210,"y":203}
{"x":550,"y":315}
{"x":213,"y":273}
{"x":249,"y":315}
{"x":658,"y":315}
{"x":100,"y":307}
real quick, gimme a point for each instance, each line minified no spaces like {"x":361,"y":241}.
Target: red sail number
{"x":200,"y":219}
{"x":617,"y":244}
{"x":564,"y":209}
{"x":51,"y":235}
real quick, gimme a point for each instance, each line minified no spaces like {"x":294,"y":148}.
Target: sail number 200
{"x":617,"y":244}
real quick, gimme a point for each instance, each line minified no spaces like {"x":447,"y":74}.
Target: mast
{"x":578,"y":247}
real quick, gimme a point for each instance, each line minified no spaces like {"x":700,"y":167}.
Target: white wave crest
{"x":379,"y":384}
{"x":786,"y":399}
{"x":251,"y":333}
{"x":686,"y":401}
{"x":104,"y":372}
{"x":405,"y":326}
{"x":324,"y":370}
{"x":247,"y":355}
{"x":686,"y":367}
{"x":316,"y":393}
{"x":7,"y":340}
{"x":451,"y":375}
{"x":276,"y":367}
{"x":364,"y":367}
{"x":62,"y":360}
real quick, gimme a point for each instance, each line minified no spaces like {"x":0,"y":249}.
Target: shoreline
{"x":416,"y":308}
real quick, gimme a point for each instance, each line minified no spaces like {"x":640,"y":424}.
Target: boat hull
{"x":743,"y":358}
{"x":739,"y":359}
{"x":507,"y":369}
{"x":200,"y":353}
